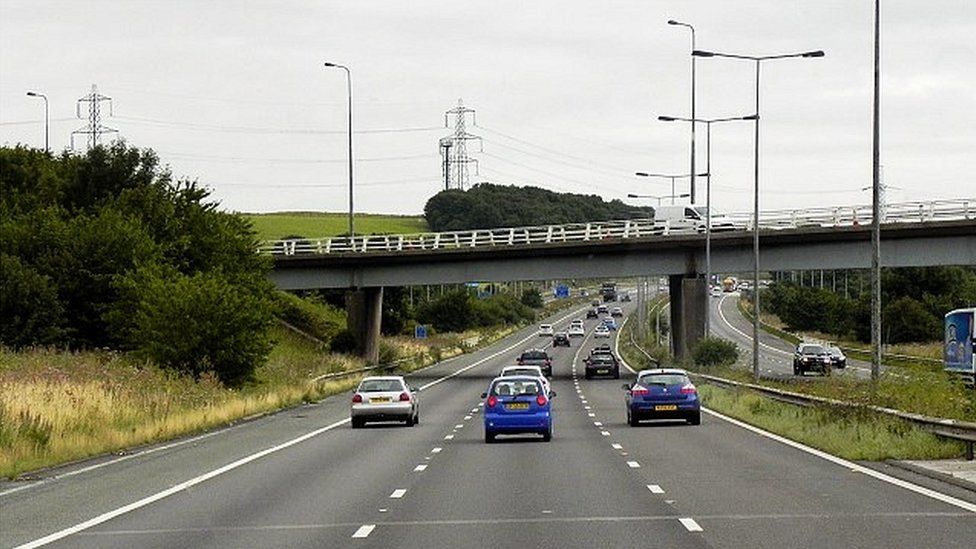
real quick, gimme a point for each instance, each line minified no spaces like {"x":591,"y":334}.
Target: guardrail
{"x":964,"y":431}
{"x":345,"y":373}
{"x":838,"y":216}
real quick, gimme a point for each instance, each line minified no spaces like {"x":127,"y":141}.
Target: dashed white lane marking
{"x":605,"y":433}
{"x":690,"y":524}
{"x":587,"y":408}
{"x":591,"y":414}
{"x":598,"y":423}
{"x":364,"y":531}
{"x":448,"y":437}
{"x":436,"y":450}
{"x":420,"y":468}
{"x":459,"y":426}
{"x":655,"y":489}
{"x":633,"y":465}
{"x":616,"y":446}
{"x":398,"y":493}
{"x":467,"y":418}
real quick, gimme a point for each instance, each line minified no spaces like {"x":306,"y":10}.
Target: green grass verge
{"x":272,"y":226}
{"x":850,"y":434}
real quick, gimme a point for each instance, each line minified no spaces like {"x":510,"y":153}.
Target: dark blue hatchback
{"x":664,"y":393}
{"x":517,"y":404}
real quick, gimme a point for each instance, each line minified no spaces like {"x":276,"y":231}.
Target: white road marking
{"x":587,"y":408}
{"x":364,"y":531}
{"x":382,"y":510}
{"x":104,"y":517}
{"x":850,"y":465}
{"x":474,"y":410}
{"x":633,"y":465}
{"x":591,"y":414}
{"x":616,"y":446}
{"x":466,"y":418}
{"x":655,"y":489}
{"x":598,"y":424}
{"x":743,"y":334}
{"x":448,"y":437}
{"x":605,"y":433}
{"x":420,"y":468}
{"x":436,"y":450}
{"x":459,"y":426}
{"x":690,"y":524}
{"x":398,"y":493}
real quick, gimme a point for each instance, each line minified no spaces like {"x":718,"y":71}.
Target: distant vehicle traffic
{"x":624,"y":296}
{"x":595,"y":303}
{"x":690,"y":217}
{"x":837,"y":357}
{"x":616,"y":311}
{"x":560,"y":339}
{"x":603,"y":309}
{"x":592,"y":313}
{"x":729,"y":284}
{"x":536,"y":357}
{"x":384,"y":398}
{"x":601,"y":365}
{"x":601,"y":331}
{"x":810,"y":357}
{"x":960,"y":343}
{"x":576,"y":331}
{"x":515,"y":405}
{"x":545,"y":330}
{"x":610,"y":323}
{"x":663,"y":393}
{"x":609,"y":291}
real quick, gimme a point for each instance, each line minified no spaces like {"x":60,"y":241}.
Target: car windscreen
{"x":663,"y":379}
{"x":812,"y":350}
{"x":602,"y":359}
{"x":515,"y":387}
{"x":534,"y":355}
{"x":380,"y":385}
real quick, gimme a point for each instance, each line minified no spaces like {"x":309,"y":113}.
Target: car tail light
{"x":492,"y":401}
{"x":541,"y":400}
{"x":405,"y":397}
{"x":357,"y":398}
{"x":640,"y":391}
{"x":689,"y":389}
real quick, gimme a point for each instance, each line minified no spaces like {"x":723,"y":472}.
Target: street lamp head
{"x":751,"y":117}
{"x":642,"y":174}
{"x":327,"y":64}
{"x":702,"y":53}
{"x":666,"y":118}
{"x":32,"y":94}
{"x":632,"y":195}
{"x":673,"y":22}
{"x":818,"y":53}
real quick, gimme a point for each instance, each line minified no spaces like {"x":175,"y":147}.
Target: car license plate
{"x":380,"y":399}
{"x":603,"y":371}
{"x":517,"y":406}
{"x":665,"y":407}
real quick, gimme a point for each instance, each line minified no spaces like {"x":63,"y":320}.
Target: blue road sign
{"x":562,"y":291}
{"x":420,"y":331}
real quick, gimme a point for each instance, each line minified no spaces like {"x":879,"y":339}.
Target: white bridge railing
{"x":839,"y":216}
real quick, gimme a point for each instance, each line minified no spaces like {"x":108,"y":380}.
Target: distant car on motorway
{"x":602,"y":309}
{"x":624,"y":296}
{"x":560,"y":339}
{"x":536,"y":357}
{"x":610,"y":323}
{"x":384,"y":398}
{"x":716,"y":291}
{"x":577,"y":322}
{"x":837,"y":357}
{"x":616,"y":311}
{"x":576,"y":331}
{"x":662,"y":393}
{"x":595,"y":303}
{"x":601,"y":331}
{"x":592,"y":313}
{"x":601,"y":365}
{"x":515,"y":405}
{"x":545,"y":330}
{"x":531,"y":371}
{"x":810,"y":357}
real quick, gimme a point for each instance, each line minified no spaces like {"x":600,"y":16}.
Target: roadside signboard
{"x":562,"y":291}
{"x":420,"y":331}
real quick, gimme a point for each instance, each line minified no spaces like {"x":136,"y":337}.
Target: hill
{"x":272,"y":226}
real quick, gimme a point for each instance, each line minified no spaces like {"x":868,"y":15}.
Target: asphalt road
{"x":304,"y":478}
{"x":775,"y":355}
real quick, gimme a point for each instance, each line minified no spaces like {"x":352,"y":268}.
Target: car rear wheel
{"x":410,"y":421}
{"x":489,"y":437}
{"x":616,"y":373}
{"x":357,"y":423}
{"x":547,"y":435}
{"x":695,"y":419}
{"x":632,"y":420}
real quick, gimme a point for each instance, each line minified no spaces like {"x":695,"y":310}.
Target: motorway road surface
{"x":304,"y":478}
{"x":775,"y":355}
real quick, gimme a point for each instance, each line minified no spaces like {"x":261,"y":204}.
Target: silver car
{"x":384,"y":398}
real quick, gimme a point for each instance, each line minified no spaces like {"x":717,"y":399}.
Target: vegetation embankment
{"x":273,"y":226}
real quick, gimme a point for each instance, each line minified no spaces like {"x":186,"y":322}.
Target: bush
{"x":907,"y":320}
{"x":29,"y":305}
{"x":310,"y":315}
{"x":451,"y":312}
{"x":532,"y":298}
{"x":343,"y":342}
{"x":199,"y":323}
{"x":714,"y":351}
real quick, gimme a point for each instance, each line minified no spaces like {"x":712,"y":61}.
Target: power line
{"x":214,"y":98}
{"x":561,"y":162}
{"x":551,"y":174}
{"x":554,"y":151}
{"x":216,"y":158}
{"x":264,"y":130}
{"x":393,"y":182}
{"x":29,"y":122}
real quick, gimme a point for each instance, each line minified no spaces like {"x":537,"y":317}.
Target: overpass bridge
{"x":913,"y":234}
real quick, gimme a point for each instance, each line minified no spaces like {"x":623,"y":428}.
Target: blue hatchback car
{"x":663,"y":393}
{"x":609,"y":322}
{"x":517,"y":404}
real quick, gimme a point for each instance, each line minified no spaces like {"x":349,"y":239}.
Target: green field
{"x":273,"y":226}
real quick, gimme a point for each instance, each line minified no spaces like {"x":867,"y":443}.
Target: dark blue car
{"x":515,"y":405}
{"x":664,"y":393}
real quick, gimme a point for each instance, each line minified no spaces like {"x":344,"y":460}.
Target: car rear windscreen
{"x":380,"y":385}
{"x":534,"y":355}
{"x":515,"y":388}
{"x":663,"y":379}
{"x":812,"y":350}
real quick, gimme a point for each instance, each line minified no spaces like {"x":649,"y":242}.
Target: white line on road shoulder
{"x":364,"y":531}
{"x":655,"y":489}
{"x":398,"y":493}
{"x":436,"y":450}
{"x":616,"y":446}
{"x":420,"y":468}
{"x":633,"y":465}
{"x":690,"y":524}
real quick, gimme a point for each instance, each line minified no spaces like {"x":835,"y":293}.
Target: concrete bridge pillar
{"x":688,"y":309}
{"x":364,"y":313}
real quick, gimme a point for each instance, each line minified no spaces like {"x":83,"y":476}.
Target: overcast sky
{"x":567,"y":93}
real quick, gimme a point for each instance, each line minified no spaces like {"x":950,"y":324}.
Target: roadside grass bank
{"x":57,"y":407}
{"x":850,"y":434}
{"x":272,"y":226}
{"x":629,"y":337}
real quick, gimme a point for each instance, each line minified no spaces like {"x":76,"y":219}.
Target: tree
{"x":29,"y":306}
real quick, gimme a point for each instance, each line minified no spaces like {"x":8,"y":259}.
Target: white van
{"x":688,"y":217}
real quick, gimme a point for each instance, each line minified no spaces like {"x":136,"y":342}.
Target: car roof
{"x":382,"y":378}
{"x":513,"y":366}
{"x":656,"y":371}
{"x":516,"y":378}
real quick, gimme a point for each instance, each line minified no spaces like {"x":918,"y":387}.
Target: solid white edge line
{"x":398,"y":493}
{"x":436,"y":450}
{"x":633,"y":465}
{"x":690,"y":524}
{"x":849,"y":464}
{"x":175,"y":489}
{"x":616,"y":446}
{"x":60,"y":534}
{"x":420,"y":468}
{"x":364,"y":531}
{"x":743,"y":334}
{"x":655,"y":489}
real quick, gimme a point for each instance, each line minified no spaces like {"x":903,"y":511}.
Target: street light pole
{"x":659,"y":198}
{"x":755,"y":216}
{"x":876,"y":205}
{"x":47,"y":120}
{"x":352,"y":231}
{"x":693,"y":168}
